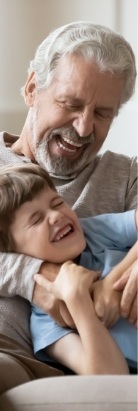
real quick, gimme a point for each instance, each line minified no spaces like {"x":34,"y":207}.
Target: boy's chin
{"x":78,"y":252}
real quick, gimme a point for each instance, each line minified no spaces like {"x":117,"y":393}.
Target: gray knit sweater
{"x":107,"y":184}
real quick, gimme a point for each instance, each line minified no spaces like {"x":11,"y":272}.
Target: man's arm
{"x":17,"y":278}
{"x":17,"y":275}
{"x":92,"y":351}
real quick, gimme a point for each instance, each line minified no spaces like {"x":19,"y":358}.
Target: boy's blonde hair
{"x":18,"y":184}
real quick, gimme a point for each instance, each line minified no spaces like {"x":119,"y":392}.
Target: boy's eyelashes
{"x":57,"y":204}
{"x":38,"y":218}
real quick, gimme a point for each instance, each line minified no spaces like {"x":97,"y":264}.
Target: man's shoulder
{"x":110,"y":164}
{"x":7,"y":139}
{"x":7,"y":156}
{"x":115,"y":158}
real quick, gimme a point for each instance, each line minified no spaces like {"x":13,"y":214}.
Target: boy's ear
{"x":29,"y":90}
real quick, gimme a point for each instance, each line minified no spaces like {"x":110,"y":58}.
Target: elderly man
{"x":80,"y":77}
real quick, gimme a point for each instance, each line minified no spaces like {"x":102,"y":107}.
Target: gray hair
{"x":108,"y":49}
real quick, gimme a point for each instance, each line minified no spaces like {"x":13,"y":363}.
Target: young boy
{"x":35,"y":220}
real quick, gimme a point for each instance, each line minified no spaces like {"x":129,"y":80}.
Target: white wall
{"x":25,"y":23}
{"x":123,"y":135}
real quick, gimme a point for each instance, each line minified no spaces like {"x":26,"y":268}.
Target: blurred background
{"x":25,"y":23}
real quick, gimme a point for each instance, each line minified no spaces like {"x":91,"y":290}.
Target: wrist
{"x":114,"y":274}
{"x":79,"y":300}
{"x":49,"y":270}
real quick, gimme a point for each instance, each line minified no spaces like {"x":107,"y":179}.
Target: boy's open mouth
{"x":63,"y":232}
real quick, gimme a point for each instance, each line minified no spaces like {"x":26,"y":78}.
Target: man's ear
{"x":29,"y":90}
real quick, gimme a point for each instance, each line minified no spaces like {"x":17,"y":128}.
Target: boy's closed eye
{"x":36,"y":218}
{"x":57,"y":202}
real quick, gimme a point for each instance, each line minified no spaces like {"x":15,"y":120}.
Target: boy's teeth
{"x":62,"y":234}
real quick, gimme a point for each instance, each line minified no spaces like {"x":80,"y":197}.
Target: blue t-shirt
{"x":108,"y":237}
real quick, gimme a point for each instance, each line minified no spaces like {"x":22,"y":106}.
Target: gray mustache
{"x":70,"y":133}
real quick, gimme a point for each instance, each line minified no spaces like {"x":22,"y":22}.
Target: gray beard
{"x":61,"y":167}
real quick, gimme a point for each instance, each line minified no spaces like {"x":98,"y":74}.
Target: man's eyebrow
{"x":80,"y":100}
{"x":107,"y":110}
{"x":70,"y":97}
{"x":104,"y":108}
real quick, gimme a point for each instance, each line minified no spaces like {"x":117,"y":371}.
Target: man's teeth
{"x":71,"y":142}
{"x":65,"y":148}
{"x":64,"y":232}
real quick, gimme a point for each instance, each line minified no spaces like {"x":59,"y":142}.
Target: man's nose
{"x":84,"y":124}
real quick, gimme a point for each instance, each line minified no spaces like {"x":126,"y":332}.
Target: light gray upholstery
{"x":75,"y":393}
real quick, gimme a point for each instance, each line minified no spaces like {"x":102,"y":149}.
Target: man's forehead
{"x":74,"y":78}
{"x":73,"y":63}
{"x":86,"y":85}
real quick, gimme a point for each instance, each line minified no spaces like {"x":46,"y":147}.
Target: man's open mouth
{"x":67,"y":144}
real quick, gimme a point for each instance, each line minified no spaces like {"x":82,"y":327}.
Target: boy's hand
{"x":106,"y":301}
{"x":51,"y":296}
{"x":71,"y":280}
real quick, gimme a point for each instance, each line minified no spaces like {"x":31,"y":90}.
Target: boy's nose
{"x":55,"y":216}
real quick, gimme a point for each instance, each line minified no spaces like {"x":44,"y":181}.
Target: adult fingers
{"x":120,"y":284}
{"x":133,"y":314}
{"x":128,"y":295}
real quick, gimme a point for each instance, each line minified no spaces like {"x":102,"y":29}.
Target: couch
{"x":74,"y":393}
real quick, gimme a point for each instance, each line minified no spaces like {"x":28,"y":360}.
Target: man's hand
{"x":110,"y":306}
{"x":129,"y":301}
{"x":106,"y":301}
